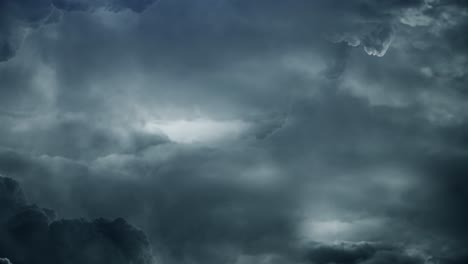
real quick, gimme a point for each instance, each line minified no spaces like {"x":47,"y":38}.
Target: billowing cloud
{"x":5,"y":261}
{"x":31,"y":234}
{"x":18,"y":17}
{"x":360,"y":252}
{"x":236,"y":131}
{"x":375,"y":41}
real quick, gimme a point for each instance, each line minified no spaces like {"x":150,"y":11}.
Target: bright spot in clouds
{"x":198,"y":130}
{"x":339,"y":230}
{"x":327,"y":230}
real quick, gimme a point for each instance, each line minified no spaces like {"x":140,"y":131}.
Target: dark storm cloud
{"x":90,"y":139}
{"x":19,"y":16}
{"x":375,"y":42}
{"x":192,"y":213}
{"x":382,"y":136}
{"x":361,"y":252}
{"x":443,"y":197}
{"x":194,"y":201}
{"x":180,"y":44}
{"x":114,"y":5}
{"x":30,"y":234}
{"x":5,"y":261}
{"x":337,"y":145}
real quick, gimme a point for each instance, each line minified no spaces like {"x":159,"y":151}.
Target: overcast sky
{"x":244,"y":131}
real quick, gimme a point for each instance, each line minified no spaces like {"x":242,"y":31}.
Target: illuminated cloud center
{"x":198,"y":130}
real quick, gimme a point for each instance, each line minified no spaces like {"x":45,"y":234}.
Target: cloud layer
{"x":235,"y":131}
{"x":31,"y":234}
{"x":18,"y":17}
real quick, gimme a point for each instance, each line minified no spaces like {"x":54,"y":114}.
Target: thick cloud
{"x":114,"y":5}
{"x":20,"y":16}
{"x":5,"y":261}
{"x":238,"y":131}
{"x":30,"y":234}
{"x":361,"y":252}
{"x":376,"y":42}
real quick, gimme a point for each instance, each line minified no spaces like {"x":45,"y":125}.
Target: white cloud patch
{"x":375,"y":39}
{"x":198,"y":130}
{"x":415,"y":17}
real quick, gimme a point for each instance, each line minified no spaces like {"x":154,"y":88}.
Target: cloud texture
{"x":30,"y":234}
{"x":234,"y":131}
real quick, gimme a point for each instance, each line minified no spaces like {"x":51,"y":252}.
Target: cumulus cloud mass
{"x":233,"y":131}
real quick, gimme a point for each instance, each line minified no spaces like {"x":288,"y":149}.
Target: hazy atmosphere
{"x":233,"y":131}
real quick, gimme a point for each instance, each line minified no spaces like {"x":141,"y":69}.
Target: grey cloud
{"x":29,"y":233}
{"x":16,"y":15}
{"x":19,"y":16}
{"x":176,"y":189}
{"x":5,"y":261}
{"x":192,"y":200}
{"x":378,"y":41}
{"x":90,"y":139}
{"x":196,"y":219}
{"x":375,"y":42}
{"x":8,"y":47}
{"x":339,"y":146}
{"x":360,"y":252}
{"x":11,"y":194}
{"x":114,"y":5}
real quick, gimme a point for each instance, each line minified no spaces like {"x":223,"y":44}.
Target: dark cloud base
{"x":234,"y":131}
{"x":30,"y":234}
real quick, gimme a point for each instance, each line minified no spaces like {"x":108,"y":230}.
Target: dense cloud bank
{"x":361,"y":253}
{"x":20,"y":16}
{"x":29,"y":234}
{"x":236,"y":131}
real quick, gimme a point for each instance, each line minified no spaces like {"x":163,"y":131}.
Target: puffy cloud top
{"x":29,"y":234}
